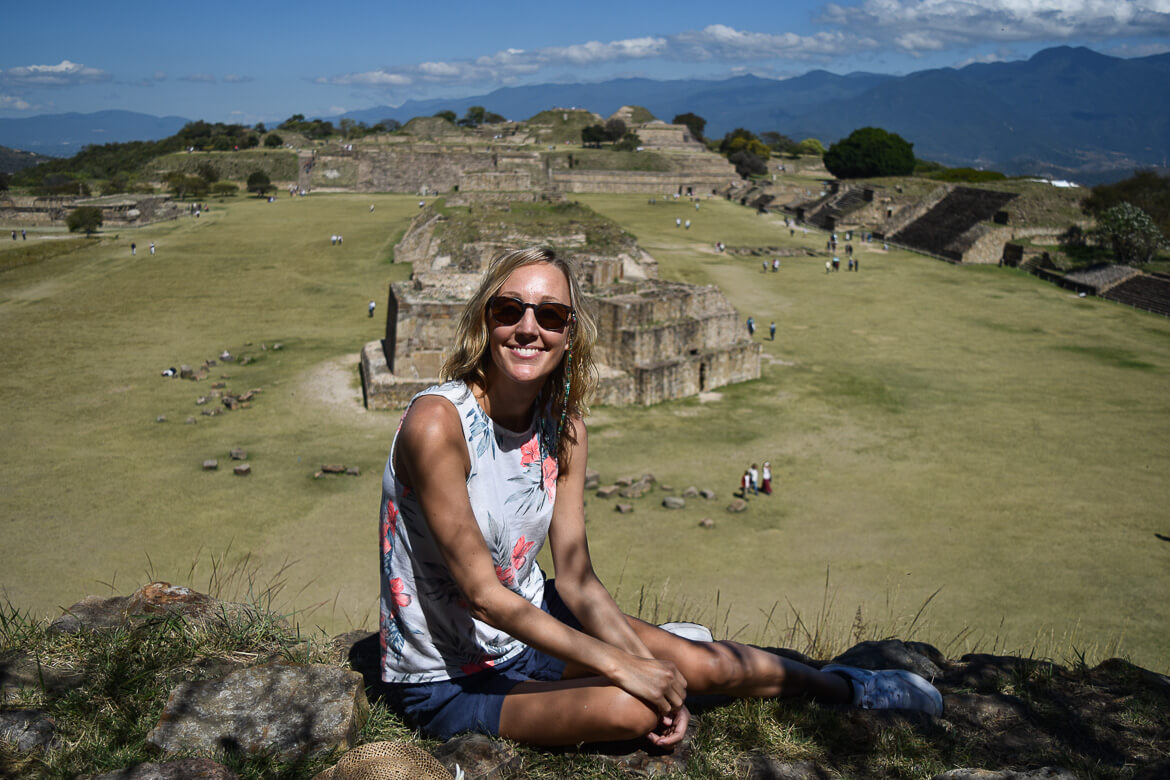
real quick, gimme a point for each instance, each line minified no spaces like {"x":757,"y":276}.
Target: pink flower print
{"x":530,"y":452}
{"x":485,"y":663}
{"x":520,"y":553}
{"x":399,"y":598}
{"x":389,"y":526}
{"x":507,"y":577}
{"x":549,"y":473}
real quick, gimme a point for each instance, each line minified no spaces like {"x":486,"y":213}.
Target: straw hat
{"x":387,"y":761}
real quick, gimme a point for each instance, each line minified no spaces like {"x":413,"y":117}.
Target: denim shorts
{"x":444,"y":708}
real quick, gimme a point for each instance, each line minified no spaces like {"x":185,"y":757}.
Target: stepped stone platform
{"x":955,"y":224}
{"x":1150,"y":292}
{"x":657,"y":340}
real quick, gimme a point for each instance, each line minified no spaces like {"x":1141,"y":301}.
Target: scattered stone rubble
{"x":1016,"y":717}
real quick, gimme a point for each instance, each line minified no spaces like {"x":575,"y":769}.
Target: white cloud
{"x":14,"y":102}
{"x":713,"y":43}
{"x":201,"y":78}
{"x":234,"y":78}
{"x":63,"y":74}
{"x":929,"y":25}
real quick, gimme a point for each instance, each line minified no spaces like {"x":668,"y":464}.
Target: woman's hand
{"x":671,"y":729}
{"x":658,"y":683}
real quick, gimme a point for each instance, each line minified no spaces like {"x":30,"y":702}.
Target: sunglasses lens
{"x":506,"y":311}
{"x":552,"y":316}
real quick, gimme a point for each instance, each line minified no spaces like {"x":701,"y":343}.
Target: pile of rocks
{"x":334,"y":468}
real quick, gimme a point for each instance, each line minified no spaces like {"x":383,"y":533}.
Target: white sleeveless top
{"x":427,"y":632}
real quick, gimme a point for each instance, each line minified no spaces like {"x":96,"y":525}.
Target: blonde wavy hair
{"x":471,"y":357}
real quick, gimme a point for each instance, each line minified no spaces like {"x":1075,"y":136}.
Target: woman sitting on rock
{"x":484,"y":469}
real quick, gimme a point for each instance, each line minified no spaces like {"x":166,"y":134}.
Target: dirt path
{"x":334,"y":385}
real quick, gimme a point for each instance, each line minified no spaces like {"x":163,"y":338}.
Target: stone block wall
{"x":657,"y":135}
{"x":652,"y":182}
{"x":494,"y":181}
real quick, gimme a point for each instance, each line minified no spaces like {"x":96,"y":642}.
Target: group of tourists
{"x":755,"y":481}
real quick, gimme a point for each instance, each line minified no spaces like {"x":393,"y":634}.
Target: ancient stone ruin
{"x":657,"y":340}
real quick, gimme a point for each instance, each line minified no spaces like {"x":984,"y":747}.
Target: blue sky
{"x":249,"y":62}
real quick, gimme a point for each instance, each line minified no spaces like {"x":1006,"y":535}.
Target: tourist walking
{"x":766,"y":476}
{"x":372,"y":306}
{"x":751,"y":326}
{"x":754,"y":476}
{"x":483,"y":471}
{"x":772,"y":332}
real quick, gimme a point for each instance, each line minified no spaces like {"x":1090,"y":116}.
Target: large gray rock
{"x":183,"y":769}
{"x":94,"y":613}
{"x":22,"y":671}
{"x":284,"y":708}
{"x":890,"y":654}
{"x":26,"y":730}
{"x":762,"y":767}
{"x":479,"y":757}
{"x":674,"y":502}
{"x":737,"y":505}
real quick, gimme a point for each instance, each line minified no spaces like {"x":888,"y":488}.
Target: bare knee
{"x":630,"y":717}
{"x":722,"y":666}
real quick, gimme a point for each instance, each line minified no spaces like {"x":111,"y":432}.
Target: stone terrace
{"x":940,"y":231}
{"x":1143,"y":291}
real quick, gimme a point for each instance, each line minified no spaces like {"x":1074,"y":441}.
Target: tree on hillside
{"x":184,"y":185}
{"x":84,"y":218}
{"x":260,"y":128}
{"x":448,"y":115}
{"x":779,"y":143}
{"x":628,"y":143}
{"x":741,"y":140}
{"x":812,"y":146}
{"x":273,"y":141}
{"x":870,"y":151}
{"x":615,"y":129}
{"x":478,"y":115}
{"x":1130,"y":232}
{"x":259,"y":183}
{"x":207,"y":172}
{"x":747,"y":164}
{"x":3,"y":182}
{"x":1147,"y":190}
{"x":695,"y":123}
{"x":594,"y":136}
{"x":389,"y":125}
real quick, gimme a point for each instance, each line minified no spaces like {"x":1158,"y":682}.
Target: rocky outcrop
{"x":1004,"y":718}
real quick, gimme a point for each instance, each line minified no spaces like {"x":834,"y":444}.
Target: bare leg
{"x":582,"y":708}
{"x":569,"y":712}
{"x":734,"y":669}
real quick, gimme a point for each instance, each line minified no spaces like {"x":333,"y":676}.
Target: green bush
{"x":1130,"y":232}
{"x":86,"y":219}
{"x":259,"y":183}
{"x":224,"y":189}
{"x":870,"y":151}
{"x":273,"y":141}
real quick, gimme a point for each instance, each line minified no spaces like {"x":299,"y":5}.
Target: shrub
{"x":870,"y":151}
{"x":748,"y":164}
{"x":259,"y":183}
{"x":1130,"y":232}
{"x":85,"y":219}
{"x":629,"y":143}
{"x":695,"y":123}
{"x":273,"y":141}
{"x":224,"y":189}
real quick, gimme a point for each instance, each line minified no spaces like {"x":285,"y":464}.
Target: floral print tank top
{"x":427,"y":632}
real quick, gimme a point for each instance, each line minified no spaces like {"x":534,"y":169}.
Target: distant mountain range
{"x":1066,"y":112}
{"x":64,"y":135}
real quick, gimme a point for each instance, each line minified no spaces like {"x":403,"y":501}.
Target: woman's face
{"x":525,"y":353}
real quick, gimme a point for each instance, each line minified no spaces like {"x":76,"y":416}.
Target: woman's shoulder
{"x":432,"y":419}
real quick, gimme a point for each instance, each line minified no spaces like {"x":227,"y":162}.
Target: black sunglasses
{"x":550,"y":316}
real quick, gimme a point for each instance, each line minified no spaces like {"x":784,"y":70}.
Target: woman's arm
{"x":431,"y":459}
{"x":577,"y":582}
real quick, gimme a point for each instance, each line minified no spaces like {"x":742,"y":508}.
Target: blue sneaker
{"x":890,"y":689}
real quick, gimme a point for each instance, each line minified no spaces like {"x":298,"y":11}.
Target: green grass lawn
{"x":930,"y":427}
